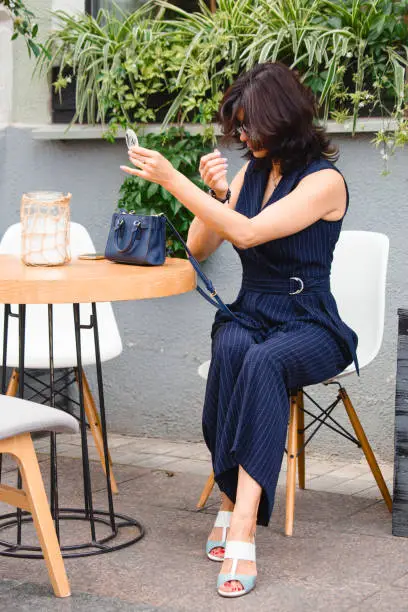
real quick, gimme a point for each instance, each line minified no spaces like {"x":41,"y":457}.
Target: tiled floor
{"x":342,"y":556}
{"x":332,"y":476}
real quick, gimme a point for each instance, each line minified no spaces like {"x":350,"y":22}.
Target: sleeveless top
{"x":305,"y":255}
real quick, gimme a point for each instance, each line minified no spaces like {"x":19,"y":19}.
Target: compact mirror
{"x":131,"y":138}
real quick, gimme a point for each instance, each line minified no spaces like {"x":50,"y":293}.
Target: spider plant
{"x":214,"y":43}
{"x":119,"y":62}
{"x":352,"y":53}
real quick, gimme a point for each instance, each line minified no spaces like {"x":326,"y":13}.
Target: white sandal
{"x":237,"y":551}
{"x":223,"y":520}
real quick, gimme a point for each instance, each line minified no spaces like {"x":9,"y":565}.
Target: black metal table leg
{"x":102,"y":414}
{"x":21,"y":355}
{"x":109,"y":519}
{"x":84,"y":440}
{"x":4,"y":367}
{"x":5,"y":338}
{"x":53,"y":436}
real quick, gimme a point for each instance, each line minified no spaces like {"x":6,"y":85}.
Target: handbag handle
{"x":132,"y":238}
{"x":215,"y":299}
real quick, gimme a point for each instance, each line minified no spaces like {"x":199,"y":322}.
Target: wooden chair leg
{"x":291,"y":471}
{"x":96,"y":429}
{"x":206,"y":492}
{"x":34,"y":499}
{"x":372,"y":462}
{"x":13,"y":384}
{"x":301,"y":441}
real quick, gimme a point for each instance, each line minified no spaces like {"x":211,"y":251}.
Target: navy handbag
{"x":141,"y":240}
{"x":137,"y":239}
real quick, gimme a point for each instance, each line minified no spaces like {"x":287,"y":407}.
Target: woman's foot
{"x":241,"y":530}
{"x":219,"y":534}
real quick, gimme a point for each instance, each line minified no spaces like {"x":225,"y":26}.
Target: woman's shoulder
{"x":322,"y":163}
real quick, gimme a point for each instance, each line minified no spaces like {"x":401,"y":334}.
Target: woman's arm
{"x":321,"y":195}
{"x":202,"y":240}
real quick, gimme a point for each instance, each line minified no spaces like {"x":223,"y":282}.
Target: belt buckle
{"x":300,"y":289}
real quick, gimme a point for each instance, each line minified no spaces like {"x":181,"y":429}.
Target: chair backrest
{"x":80,"y":240}
{"x":358,"y":283}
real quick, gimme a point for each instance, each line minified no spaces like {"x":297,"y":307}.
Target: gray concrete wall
{"x":31,"y":98}
{"x":153,"y":388}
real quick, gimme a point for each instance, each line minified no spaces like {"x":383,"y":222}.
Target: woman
{"x":282,"y":213}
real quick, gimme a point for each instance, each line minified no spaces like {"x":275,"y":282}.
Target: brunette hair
{"x":279,"y":114}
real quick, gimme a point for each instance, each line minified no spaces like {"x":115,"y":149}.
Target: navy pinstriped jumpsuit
{"x":297,"y":340}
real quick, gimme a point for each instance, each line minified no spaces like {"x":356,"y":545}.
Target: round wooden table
{"x":80,"y":281}
{"x":84,"y":280}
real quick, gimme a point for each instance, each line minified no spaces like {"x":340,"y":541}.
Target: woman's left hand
{"x":150,"y":165}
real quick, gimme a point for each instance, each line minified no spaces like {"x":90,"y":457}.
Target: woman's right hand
{"x":213,"y":171}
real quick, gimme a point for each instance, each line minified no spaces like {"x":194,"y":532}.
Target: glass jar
{"x":45,"y":219}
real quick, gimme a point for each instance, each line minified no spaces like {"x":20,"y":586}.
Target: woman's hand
{"x":151,"y":165}
{"x":213,"y":171}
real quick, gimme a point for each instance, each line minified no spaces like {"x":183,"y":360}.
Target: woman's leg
{"x":260,"y":406}
{"x":230,"y":345}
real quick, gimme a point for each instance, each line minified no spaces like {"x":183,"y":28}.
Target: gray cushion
{"x":19,"y":416}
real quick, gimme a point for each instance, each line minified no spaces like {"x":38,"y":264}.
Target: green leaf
{"x":152,"y":190}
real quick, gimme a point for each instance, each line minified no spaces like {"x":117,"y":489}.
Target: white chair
{"x":17,"y":419}
{"x":358,"y":282}
{"x":36,"y":343}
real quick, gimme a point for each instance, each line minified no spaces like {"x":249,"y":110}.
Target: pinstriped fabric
{"x":300,"y":341}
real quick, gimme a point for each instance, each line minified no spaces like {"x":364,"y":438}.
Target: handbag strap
{"x":214,"y":299}
{"x":135,"y":228}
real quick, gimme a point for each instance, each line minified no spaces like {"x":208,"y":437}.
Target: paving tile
{"x":326,"y":482}
{"x":338,"y":558}
{"x":74,"y":438}
{"x":149,"y":445}
{"x":374,"y":520}
{"x":190,"y":466}
{"x":160,"y":447}
{"x":317,"y":467}
{"x":387,"y":470}
{"x":352,"y":470}
{"x":203,"y":456}
{"x":190,"y":451}
{"x":371,"y":492}
{"x":6,"y":585}
{"x":277,"y":595}
{"x":27,"y":597}
{"x":165,"y":489}
{"x":153,"y":461}
{"x":385,"y":600}
{"x":114,"y":440}
{"x":369,"y":480}
{"x":401,"y":582}
{"x":153,"y":568}
{"x":74,"y":451}
{"x":349,"y":487}
{"x":44,"y":453}
{"x":42,"y":444}
{"x":142,"y":460}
